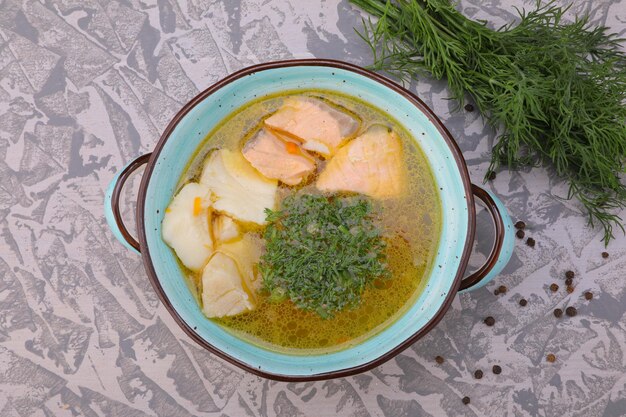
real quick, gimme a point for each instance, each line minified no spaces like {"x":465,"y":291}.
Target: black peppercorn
{"x":530,"y":242}
{"x":554,"y":287}
{"x":569,"y":274}
{"x":523,"y":302}
{"x":469,"y":107}
{"x":502,"y":289}
{"x":478,"y":374}
{"x":569,"y":281}
{"x":588,"y":295}
{"x":520,"y":234}
{"x":558,"y":313}
{"x":605,"y":255}
{"x":570,"y":289}
{"x":490,"y":321}
{"x":466,"y":400}
{"x":520,"y":225}
{"x":571,"y":311}
{"x":439,"y":359}
{"x":496,"y":369}
{"x":491,"y":175}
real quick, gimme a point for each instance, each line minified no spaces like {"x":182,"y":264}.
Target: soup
{"x":273,"y":157}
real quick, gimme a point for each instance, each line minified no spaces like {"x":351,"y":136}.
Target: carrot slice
{"x":197,"y":206}
{"x":292,"y":148}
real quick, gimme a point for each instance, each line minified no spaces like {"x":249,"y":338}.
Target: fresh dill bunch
{"x":321,"y":252}
{"x":556,"y":89}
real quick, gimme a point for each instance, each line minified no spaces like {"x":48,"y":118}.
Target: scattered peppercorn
{"x":569,"y":274}
{"x":490,"y":321}
{"x":551,"y":358}
{"x":588,"y":295}
{"x":520,"y":234}
{"x":496,"y":369}
{"x":502,"y":289}
{"x":439,"y":359}
{"x":478,"y":374}
{"x":496,"y":292}
{"x":571,"y":311}
{"x":558,"y":313}
{"x":491,"y":175}
{"x":469,"y":107}
{"x":520,"y":225}
{"x":569,"y":281}
{"x":554,"y":287}
{"x":530,"y":242}
{"x":523,"y":302}
{"x":570,"y":289}
{"x":466,"y":400}
{"x":605,"y":255}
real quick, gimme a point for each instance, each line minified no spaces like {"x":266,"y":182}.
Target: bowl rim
{"x":421,"y":106}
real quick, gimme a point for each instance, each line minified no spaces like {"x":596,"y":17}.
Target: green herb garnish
{"x":557,"y":89}
{"x":321,"y":252}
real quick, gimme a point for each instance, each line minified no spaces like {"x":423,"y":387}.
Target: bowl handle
{"x":502,"y":247}
{"x":112,"y":203}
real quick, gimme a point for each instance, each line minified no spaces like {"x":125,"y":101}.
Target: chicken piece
{"x":321,"y":127}
{"x":237,"y":188}
{"x":224,"y":229}
{"x":247,"y":253}
{"x":223,"y":289}
{"x":278,"y":158}
{"x":186,"y":226}
{"x":371,"y":164}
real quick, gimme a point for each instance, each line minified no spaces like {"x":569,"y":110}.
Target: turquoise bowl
{"x":188,"y":129}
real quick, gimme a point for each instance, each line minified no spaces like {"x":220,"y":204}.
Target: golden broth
{"x":411,"y":226}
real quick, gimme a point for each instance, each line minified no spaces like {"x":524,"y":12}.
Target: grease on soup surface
{"x":299,"y":143}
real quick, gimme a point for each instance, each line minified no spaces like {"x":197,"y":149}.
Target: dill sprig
{"x":557,"y":90}
{"x":321,"y":252}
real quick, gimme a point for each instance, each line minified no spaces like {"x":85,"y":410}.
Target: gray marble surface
{"x":87,"y":85}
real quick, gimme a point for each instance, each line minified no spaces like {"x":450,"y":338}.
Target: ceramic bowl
{"x":187,"y":130}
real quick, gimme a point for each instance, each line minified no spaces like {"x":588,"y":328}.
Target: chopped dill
{"x":322,"y":252}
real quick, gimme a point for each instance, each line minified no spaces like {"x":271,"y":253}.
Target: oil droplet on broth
{"x":282,"y":326}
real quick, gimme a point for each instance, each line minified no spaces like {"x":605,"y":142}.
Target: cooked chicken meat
{"x":224,"y":229}
{"x":237,"y":188}
{"x":223,"y":288}
{"x":186,"y":225}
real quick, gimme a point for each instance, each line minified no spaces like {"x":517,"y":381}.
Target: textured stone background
{"x":85,"y":86}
